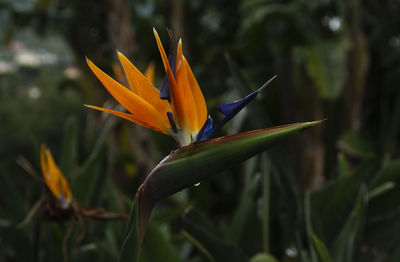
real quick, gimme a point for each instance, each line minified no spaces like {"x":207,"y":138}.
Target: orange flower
{"x":180,"y":111}
{"x":54,"y":178}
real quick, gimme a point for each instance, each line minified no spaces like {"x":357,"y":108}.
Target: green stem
{"x":307,"y":211}
{"x":266,"y":170}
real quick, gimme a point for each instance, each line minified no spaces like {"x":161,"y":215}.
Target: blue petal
{"x":230,"y":110}
{"x":172,"y":122}
{"x":164,"y":90}
{"x":202,"y":135}
{"x":235,"y":107}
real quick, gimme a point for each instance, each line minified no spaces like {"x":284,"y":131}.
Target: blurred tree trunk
{"x":176,"y":20}
{"x":358,"y":63}
{"x":122,"y":38}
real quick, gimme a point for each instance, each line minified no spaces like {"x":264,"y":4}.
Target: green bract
{"x":189,"y":165}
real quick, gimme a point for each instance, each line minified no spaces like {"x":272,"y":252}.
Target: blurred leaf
{"x":131,"y":244}
{"x":326,"y":65}
{"x":266,"y":170}
{"x":84,"y":252}
{"x":381,"y":189}
{"x":322,"y":250}
{"x":13,"y":203}
{"x":245,"y":87}
{"x":258,"y":10}
{"x":332,"y":204}
{"x":395,"y":257}
{"x":69,"y":146}
{"x":198,"y":245}
{"x":347,"y":244}
{"x":210,"y":244}
{"x":110,"y":245}
{"x":156,"y":247}
{"x":385,"y":191}
{"x":390,"y":131}
{"x":90,"y":175}
{"x":309,"y":230}
{"x":343,"y":166}
{"x":383,"y":232}
{"x":240,"y":218}
{"x":355,"y":145}
{"x":383,"y":209}
{"x":390,"y":173}
{"x":262,"y":257}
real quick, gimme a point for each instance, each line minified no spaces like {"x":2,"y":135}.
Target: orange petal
{"x":136,"y":105}
{"x":143,"y":87}
{"x":198,"y":96}
{"x":167,"y":67}
{"x":119,"y":74}
{"x":177,"y":107}
{"x":53,"y":177}
{"x":129,"y":117}
{"x":149,"y":73}
{"x":183,"y":94}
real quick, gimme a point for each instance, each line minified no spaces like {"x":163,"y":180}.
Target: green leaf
{"x":156,"y":247}
{"x":69,"y":146}
{"x":385,"y":191}
{"x":12,"y":201}
{"x":322,"y":250}
{"x":263,"y":257}
{"x":332,"y":204}
{"x":198,"y":245}
{"x":390,"y":173}
{"x":266,"y":170}
{"x":131,"y":245}
{"x":355,"y":145}
{"x":381,"y":189}
{"x":90,"y":175}
{"x":242,"y":213}
{"x":346,"y":246}
{"x":395,"y":256}
{"x":325,"y":63}
{"x":191,"y":164}
{"x":343,"y":168}
{"x":309,"y":230}
{"x":208,"y":242}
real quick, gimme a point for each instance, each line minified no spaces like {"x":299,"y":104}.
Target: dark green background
{"x":335,"y":59}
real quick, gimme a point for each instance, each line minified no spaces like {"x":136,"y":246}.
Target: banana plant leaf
{"x":189,"y":165}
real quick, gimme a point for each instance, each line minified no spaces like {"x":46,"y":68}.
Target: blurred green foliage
{"x":330,"y":194}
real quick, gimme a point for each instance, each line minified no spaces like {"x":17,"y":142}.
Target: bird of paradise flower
{"x":178,"y":109}
{"x":54,"y":178}
{"x":60,"y":204}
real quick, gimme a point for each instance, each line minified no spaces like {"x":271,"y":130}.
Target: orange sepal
{"x":198,"y":96}
{"x":183,"y":93}
{"x":53,"y":177}
{"x":129,"y":117}
{"x":150,"y":72}
{"x":143,"y":110}
{"x":141,"y":85}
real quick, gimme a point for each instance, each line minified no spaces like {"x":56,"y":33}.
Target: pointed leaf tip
{"x":266,"y":83}
{"x":231,"y":109}
{"x":88,"y":61}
